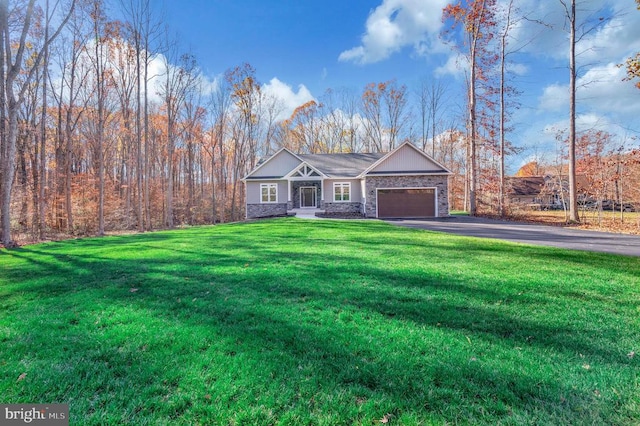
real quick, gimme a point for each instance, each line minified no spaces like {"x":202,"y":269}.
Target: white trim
{"x":390,"y":153}
{"x":435,"y":195}
{"x":344,"y":178}
{"x":333,"y":192}
{"x":298,"y":167}
{"x":410,"y":174}
{"x":315,"y":197}
{"x":269,"y":159}
{"x":305,"y":179}
{"x":269,"y":186}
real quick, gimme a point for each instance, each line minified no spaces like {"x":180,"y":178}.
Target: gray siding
{"x":406,"y":159}
{"x":253,"y":191}
{"x":356,"y":191}
{"x":279,"y":165}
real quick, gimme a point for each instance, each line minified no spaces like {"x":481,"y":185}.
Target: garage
{"x":406,"y":202}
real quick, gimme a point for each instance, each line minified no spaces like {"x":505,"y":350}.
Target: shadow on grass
{"x":341,"y":319}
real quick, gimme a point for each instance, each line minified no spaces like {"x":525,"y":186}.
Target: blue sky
{"x":298,"y":42}
{"x":301,"y":48}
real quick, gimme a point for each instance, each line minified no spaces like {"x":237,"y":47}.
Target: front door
{"x":308,"y":196}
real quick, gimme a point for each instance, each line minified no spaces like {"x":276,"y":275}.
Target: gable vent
{"x":306,"y":171}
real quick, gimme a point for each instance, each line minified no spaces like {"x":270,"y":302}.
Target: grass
{"x":320,"y":322}
{"x":627,"y":222}
{"x":458,"y":213}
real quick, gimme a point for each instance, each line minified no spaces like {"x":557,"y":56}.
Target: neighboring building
{"x":402,"y":183}
{"x":524,"y":191}
{"x":544,"y":192}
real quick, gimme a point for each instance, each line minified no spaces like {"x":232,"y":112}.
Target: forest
{"x":107,"y":124}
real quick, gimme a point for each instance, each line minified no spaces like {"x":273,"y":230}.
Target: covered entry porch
{"x":305,"y":194}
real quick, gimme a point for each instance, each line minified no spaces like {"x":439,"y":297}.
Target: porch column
{"x":289,"y":190}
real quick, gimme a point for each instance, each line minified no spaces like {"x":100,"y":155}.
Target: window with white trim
{"x":268,"y":192}
{"x":342,"y":191}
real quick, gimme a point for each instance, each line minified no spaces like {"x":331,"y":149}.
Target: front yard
{"x":290,"y":321}
{"x":606,"y":221}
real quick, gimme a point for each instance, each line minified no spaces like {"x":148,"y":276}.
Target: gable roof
{"x":348,"y":165}
{"x":395,"y":163}
{"x":305,"y":165}
{"x":342,"y":165}
{"x":270,"y":168}
{"x":523,"y":186}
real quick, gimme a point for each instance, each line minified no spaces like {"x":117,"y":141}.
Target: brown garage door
{"x":406,"y":202}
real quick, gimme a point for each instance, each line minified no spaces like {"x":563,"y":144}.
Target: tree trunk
{"x":11,"y":68}
{"x":573,"y":198}
{"x":472,"y":163}
{"x":43,"y":131}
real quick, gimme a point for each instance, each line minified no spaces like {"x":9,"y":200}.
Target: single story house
{"x":403,"y":183}
{"x":544,"y":192}
{"x":524,"y":191}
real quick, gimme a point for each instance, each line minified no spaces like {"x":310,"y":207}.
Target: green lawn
{"x":320,"y":322}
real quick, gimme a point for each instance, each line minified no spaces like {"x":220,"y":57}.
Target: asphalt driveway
{"x":555,"y":236}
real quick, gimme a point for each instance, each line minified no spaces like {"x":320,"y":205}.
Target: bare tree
{"x":506,"y":27}
{"x":349,"y":102}
{"x":143,"y":27}
{"x":576,"y":33}
{"x":99,"y":62}
{"x":245,"y":95}
{"x":74,"y":80}
{"x":220,"y":104}
{"x":570,"y":11}
{"x":435,"y":95}
{"x":372,"y":112}
{"x":384,"y":112}
{"x":11,"y":65}
{"x":395,"y":99}
{"x":477,"y":20}
{"x":178,"y":81}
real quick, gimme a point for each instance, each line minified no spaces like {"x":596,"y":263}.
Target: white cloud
{"x":517,"y":69}
{"x":289,"y":98}
{"x":396,"y":24}
{"x":616,"y":36}
{"x":456,"y":65}
{"x":555,"y":97}
{"x":157,"y":78}
{"x":585,"y":122}
{"x":600,"y":88}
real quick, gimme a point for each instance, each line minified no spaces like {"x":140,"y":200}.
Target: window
{"x":342,"y":191}
{"x":268,"y":192}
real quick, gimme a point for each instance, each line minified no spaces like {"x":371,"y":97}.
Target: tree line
{"x":94,"y":140}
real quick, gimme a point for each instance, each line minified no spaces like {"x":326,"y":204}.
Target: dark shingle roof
{"x":342,"y":165}
{"x":529,"y":185}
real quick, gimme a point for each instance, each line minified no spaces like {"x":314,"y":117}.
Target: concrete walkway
{"x":306,"y":213}
{"x":554,"y":236}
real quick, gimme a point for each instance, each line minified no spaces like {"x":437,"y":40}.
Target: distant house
{"x":525,"y":191}
{"x":543,"y":192}
{"x":403,"y":183}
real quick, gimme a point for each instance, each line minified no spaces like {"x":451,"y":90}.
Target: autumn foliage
{"x":633,"y":64}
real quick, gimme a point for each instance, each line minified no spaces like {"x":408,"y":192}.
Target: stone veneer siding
{"x":440,"y":182}
{"x":330,"y":207}
{"x":295,"y":191}
{"x":266,"y":210}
